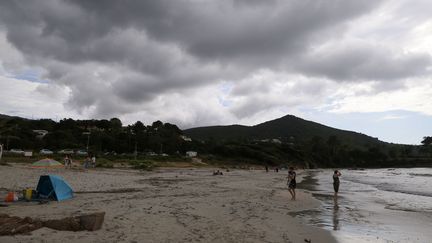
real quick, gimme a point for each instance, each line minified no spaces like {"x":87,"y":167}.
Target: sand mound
{"x":11,"y":225}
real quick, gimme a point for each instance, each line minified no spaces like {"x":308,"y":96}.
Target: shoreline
{"x":366,"y":211}
{"x":170,"y":205}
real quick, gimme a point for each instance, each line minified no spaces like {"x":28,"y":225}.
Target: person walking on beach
{"x":93,"y":161}
{"x":67,"y":162}
{"x":292,"y":183}
{"x":336,"y":182}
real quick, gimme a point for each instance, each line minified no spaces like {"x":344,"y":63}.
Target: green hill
{"x":287,"y":128}
{"x":287,"y":140}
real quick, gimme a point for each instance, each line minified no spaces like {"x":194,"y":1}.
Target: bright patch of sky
{"x":391,"y":126}
{"x":31,"y":75}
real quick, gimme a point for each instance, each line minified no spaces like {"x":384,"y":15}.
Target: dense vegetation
{"x":284,"y":141}
{"x":290,"y":138}
{"x":287,"y":129}
{"x":101,"y":136}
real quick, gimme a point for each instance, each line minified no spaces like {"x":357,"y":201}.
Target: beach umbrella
{"x":49,"y":163}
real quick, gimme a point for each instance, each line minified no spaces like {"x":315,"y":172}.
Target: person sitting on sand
{"x":87,"y":162}
{"x":217,"y":172}
{"x":336,"y":182}
{"x":292,"y":184}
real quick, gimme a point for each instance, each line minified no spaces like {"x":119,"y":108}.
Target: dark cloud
{"x":75,"y":30}
{"x":116,"y":55}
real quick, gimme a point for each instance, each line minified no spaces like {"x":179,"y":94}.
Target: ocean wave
{"x":394,"y":173}
{"x":420,"y":174}
{"x":408,"y":209}
{"x":391,"y":188}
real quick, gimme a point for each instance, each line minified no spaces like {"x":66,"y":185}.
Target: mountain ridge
{"x":285,"y":128}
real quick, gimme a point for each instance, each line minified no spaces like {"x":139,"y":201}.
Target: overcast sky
{"x":357,"y":65}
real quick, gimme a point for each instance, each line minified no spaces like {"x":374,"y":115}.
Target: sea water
{"x":373,"y":205}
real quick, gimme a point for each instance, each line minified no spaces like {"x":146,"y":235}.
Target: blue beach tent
{"x":53,"y":186}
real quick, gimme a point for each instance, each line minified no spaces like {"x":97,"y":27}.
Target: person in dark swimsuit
{"x":292,"y":184}
{"x":336,"y":182}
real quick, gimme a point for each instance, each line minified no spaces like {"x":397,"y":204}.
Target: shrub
{"x":104,"y":163}
{"x":142,"y":164}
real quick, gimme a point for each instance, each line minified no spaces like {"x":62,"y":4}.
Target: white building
{"x":40,"y":133}
{"x":191,"y":153}
{"x":187,"y":139}
{"x":271,"y":140}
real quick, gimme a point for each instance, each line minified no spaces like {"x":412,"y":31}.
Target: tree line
{"x":98,"y":135}
{"x":112,"y":137}
{"x":318,"y":152}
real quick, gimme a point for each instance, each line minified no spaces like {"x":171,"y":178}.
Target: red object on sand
{"x":10,"y":197}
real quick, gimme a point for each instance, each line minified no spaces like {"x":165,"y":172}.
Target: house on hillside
{"x":191,"y":154}
{"x":40,"y":133}
{"x":185,"y":138}
{"x":271,"y":140}
{"x":91,"y":128}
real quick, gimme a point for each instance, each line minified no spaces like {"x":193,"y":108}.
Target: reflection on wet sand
{"x":336,"y":214}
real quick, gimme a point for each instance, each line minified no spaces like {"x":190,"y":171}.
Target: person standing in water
{"x":336,"y":182}
{"x":292,"y":183}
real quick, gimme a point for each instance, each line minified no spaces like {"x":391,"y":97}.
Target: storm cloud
{"x":135,"y":57}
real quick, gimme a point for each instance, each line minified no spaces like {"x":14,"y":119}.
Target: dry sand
{"x":168,"y":205}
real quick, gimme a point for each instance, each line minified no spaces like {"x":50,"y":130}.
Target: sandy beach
{"x":168,"y":205}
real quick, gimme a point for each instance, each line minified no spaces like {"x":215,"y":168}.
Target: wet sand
{"x":365,"y":212}
{"x":169,"y":205}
